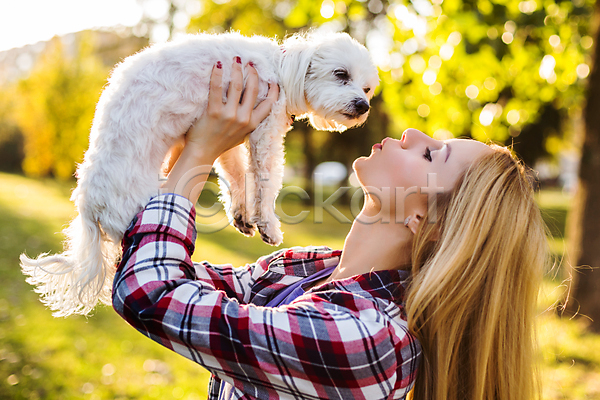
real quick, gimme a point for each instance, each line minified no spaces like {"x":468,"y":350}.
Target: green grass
{"x":570,"y":355}
{"x":42,"y":357}
{"x":101,"y":357}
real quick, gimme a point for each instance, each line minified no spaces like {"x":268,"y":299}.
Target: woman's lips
{"x":377,"y":146}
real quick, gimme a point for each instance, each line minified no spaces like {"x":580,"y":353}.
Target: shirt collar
{"x":304,"y":261}
{"x":387,"y":284}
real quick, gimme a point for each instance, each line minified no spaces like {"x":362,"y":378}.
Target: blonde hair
{"x":476,"y":275}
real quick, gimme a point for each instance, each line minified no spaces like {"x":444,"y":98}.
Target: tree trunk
{"x":584,"y":222}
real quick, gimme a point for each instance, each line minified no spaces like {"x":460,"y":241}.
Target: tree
{"x":584,"y":236}
{"x":487,"y":69}
{"x":162,"y":20}
{"x":55,"y":108}
{"x":11,"y":139}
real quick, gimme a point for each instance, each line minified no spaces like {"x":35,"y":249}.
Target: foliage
{"x":502,"y":70}
{"x":55,"y":106}
{"x":488,"y":69}
{"x":11,"y":139}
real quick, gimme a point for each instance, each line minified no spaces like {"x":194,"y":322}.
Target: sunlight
{"x":30,"y":21}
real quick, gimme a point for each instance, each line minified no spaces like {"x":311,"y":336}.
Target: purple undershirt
{"x":290,"y":293}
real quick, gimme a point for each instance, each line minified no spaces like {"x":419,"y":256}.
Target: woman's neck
{"x":374,"y":246}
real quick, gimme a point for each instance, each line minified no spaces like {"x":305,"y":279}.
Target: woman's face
{"x":417,"y":160}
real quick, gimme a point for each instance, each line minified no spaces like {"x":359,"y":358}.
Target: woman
{"x":458,"y":280}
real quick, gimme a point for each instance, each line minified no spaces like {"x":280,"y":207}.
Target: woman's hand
{"x":223,"y":126}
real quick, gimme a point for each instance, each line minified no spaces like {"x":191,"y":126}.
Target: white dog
{"x":152,"y":99}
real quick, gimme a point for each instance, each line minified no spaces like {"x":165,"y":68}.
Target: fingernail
{"x":251,"y":64}
{"x":219,"y":65}
{"x":238,"y":60}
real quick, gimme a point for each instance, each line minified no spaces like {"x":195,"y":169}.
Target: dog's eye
{"x":341,"y":74}
{"x":367,"y":90}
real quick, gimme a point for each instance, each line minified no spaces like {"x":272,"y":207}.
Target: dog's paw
{"x":239,"y":222}
{"x":270,"y":234}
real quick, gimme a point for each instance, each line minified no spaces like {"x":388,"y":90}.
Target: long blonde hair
{"x":476,"y":275}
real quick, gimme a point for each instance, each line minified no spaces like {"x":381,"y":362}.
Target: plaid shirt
{"x":347,"y":339}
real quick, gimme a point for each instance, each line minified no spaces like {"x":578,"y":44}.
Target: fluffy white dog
{"x":152,"y":99}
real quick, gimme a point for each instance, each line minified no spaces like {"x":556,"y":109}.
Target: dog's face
{"x":339,"y":84}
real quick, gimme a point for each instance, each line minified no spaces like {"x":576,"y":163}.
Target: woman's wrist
{"x":190,"y":172}
{"x":199,"y":154}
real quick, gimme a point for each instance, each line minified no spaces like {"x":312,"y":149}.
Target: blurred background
{"x":516,"y":72}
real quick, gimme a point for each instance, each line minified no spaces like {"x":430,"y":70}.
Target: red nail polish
{"x":251,"y":64}
{"x":219,"y":65}
{"x":238,"y":60}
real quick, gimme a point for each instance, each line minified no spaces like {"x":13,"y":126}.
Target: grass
{"x":570,"y":354}
{"x":101,"y":357}
{"x":42,"y":357}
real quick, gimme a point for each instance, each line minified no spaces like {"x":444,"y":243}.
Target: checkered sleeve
{"x":174,"y":216}
{"x":311,"y":349}
{"x":236,"y":282}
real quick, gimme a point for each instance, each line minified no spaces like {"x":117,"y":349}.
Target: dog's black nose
{"x":361,"y":106}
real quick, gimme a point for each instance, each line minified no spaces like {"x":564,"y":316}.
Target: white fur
{"x":152,"y":99}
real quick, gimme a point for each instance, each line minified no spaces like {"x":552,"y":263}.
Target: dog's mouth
{"x":353,"y":116}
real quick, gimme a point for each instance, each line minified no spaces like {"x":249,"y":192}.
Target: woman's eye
{"x":427,"y":154}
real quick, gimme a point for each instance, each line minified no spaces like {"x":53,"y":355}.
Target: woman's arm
{"x":311,"y":349}
{"x":224,"y":125}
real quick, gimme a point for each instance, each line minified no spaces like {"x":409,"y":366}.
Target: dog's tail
{"x":75,"y":281}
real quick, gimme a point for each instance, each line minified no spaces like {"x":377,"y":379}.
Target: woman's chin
{"x":357,"y":167}
{"x":357,"y":163}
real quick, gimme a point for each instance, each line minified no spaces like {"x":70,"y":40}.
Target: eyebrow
{"x":448,"y":150}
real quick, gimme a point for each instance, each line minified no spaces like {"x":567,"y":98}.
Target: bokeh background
{"x":517,"y":72}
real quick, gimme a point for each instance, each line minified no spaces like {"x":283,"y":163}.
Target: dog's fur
{"x":152,"y":99}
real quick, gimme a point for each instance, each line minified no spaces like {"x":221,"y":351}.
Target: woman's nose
{"x":411,"y":136}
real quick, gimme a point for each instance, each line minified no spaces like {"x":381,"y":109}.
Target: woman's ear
{"x":414,"y":221}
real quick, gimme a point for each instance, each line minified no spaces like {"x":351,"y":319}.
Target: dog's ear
{"x":297,"y":53}
{"x":323,"y":124}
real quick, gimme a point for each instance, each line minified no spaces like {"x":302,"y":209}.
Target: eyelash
{"x":427,"y":154}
